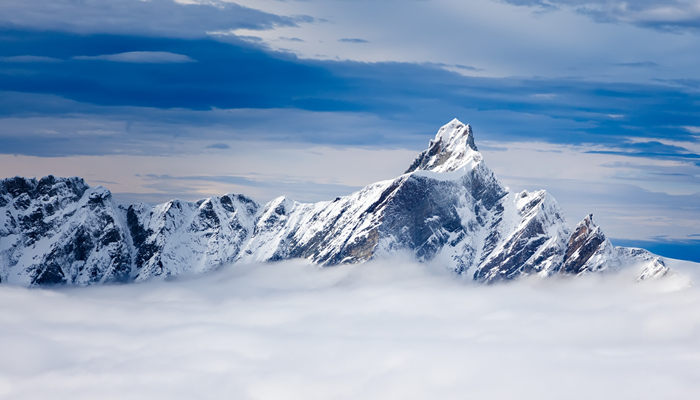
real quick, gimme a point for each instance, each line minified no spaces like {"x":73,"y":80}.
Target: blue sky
{"x":596,"y":101}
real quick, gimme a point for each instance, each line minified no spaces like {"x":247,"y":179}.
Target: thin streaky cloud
{"x":141,"y":57}
{"x":353,"y":40}
{"x":29,"y":59}
{"x":663,"y":15}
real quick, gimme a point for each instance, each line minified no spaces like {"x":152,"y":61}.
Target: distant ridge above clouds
{"x":447,"y":208}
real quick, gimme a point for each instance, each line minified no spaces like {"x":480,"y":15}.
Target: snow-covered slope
{"x":60,"y":231}
{"x":182,"y":237}
{"x":447,"y":207}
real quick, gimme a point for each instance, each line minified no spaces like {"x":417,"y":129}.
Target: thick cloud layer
{"x":385,"y":329}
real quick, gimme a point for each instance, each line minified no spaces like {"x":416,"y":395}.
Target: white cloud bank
{"x":380,"y":330}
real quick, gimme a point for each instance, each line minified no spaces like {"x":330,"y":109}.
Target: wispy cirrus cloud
{"x":652,"y":149}
{"x":218,"y":146}
{"x":353,"y":40}
{"x":638,"y":64}
{"x":156,"y":57}
{"x":156,"y":17}
{"x":29,"y":59}
{"x":667,"y":15}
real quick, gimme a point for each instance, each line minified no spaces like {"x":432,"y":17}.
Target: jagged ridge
{"x":448,"y":207}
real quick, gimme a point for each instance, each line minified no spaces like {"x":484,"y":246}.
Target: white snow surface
{"x":70,"y":217}
{"x":455,"y":141}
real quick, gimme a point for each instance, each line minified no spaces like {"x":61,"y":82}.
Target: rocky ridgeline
{"x":448,"y":207}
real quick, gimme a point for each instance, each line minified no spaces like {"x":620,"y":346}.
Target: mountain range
{"x":448,"y":207}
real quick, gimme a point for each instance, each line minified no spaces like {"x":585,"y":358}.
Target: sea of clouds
{"x":385,"y":329}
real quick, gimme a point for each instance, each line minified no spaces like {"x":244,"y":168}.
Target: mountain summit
{"x":448,"y":207}
{"x":453,"y":148}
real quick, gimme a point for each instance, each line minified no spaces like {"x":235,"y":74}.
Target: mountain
{"x":447,"y":207}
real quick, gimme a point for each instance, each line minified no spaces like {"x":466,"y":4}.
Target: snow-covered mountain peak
{"x":454,"y":132}
{"x":452,"y":149}
{"x":449,"y":206}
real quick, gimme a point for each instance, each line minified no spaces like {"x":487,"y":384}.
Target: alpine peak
{"x":452,"y":148}
{"x":452,"y":209}
{"x":454,"y":131}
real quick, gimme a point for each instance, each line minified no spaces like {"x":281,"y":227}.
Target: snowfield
{"x":384,"y":329}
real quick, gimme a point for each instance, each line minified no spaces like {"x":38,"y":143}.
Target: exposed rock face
{"x":182,"y":237}
{"x":448,"y":207}
{"x":60,"y":231}
{"x":588,"y":250}
{"x":537,"y":234}
{"x":57,"y":231}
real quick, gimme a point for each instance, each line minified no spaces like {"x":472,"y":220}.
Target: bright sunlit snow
{"x":385,"y":329}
